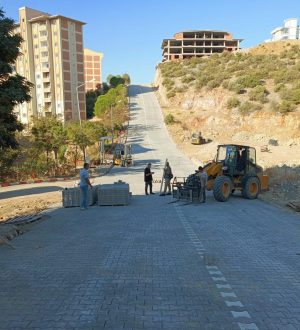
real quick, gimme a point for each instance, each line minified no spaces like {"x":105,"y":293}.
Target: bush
{"x":278,"y":87}
{"x":259,"y":93}
{"x":291,"y":95}
{"x":232,"y":102}
{"x":169,"y":119}
{"x":286,"y":106}
{"x":249,"y":81}
{"x":180,"y":89}
{"x":168,"y":83}
{"x":247,"y":107}
{"x":236,"y":87}
{"x":187,"y":79}
{"x":214,"y":83}
{"x":273,"y":142}
{"x":201,"y":81}
{"x":171,"y":94}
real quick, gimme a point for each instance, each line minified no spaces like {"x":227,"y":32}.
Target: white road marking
{"x":214,"y":270}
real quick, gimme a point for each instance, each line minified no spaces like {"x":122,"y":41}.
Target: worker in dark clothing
{"x":242,"y":161}
{"x":148,"y":179}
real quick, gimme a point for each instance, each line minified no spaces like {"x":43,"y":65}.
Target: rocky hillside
{"x":251,"y":96}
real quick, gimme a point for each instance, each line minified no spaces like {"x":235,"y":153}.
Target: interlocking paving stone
{"x":135,"y":267}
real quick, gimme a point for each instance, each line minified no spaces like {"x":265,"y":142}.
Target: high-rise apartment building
{"x":198,"y":43}
{"x":52,"y":59}
{"x":92,"y":69}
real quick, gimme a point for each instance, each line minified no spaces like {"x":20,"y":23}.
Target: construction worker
{"x":168,"y":175}
{"x":148,"y":179}
{"x":203,"y":179}
{"x":84,"y":186}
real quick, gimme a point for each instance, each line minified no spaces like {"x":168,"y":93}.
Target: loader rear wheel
{"x":251,"y":187}
{"x":222,"y":188}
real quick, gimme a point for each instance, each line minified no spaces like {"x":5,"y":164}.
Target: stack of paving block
{"x":71,"y":196}
{"x":114,"y":194}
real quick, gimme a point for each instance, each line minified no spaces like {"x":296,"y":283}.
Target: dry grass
{"x":283,"y":174}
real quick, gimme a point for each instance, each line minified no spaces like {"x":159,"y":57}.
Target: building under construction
{"x":198,"y":43}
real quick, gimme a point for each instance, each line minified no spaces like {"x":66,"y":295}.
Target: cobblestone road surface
{"x":155,"y":264}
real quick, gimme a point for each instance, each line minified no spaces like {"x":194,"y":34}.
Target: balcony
{"x":47,"y":79}
{"x":47,"y":88}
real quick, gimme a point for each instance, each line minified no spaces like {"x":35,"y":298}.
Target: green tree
{"x":86,"y":135}
{"x":49,"y":136}
{"x":116,"y":80}
{"x":14,"y":90}
{"x":109,"y":78}
{"x":126,"y":79}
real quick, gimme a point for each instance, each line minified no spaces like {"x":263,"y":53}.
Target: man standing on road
{"x":203,"y":179}
{"x":148,"y":179}
{"x":168,"y":175}
{"x":84,"y":186}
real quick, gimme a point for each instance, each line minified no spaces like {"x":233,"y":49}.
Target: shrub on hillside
{"x":278,"y":87}
{"x":234,"y":86}
{"x":180,"y":89}
{"x":286,"y":106}
{"x":201,"y":81}
{"x":171,"y":94}
{"x":291,"y":95}
{"x":187,"y":79}
{"x":247,"y":107}
{"x":169,"y":119}
{"x":259,"y":94}
{"x":249,"y":80}
{"x":168,"y":83}
{"x":232,"y":102}
{"x":216,"y":82}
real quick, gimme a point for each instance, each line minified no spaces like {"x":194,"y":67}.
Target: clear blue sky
{"x":130,"y":32}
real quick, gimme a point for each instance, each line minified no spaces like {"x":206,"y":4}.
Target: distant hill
{"x":252,"y":95}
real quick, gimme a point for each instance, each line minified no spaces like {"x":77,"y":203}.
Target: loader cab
{"x":237,"y":159}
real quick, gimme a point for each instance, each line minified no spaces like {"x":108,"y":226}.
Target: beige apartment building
{"x":198,"y":43}
{"x":52,"y":59}
{"x":92,"y":69}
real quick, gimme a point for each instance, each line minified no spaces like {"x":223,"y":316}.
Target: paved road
{"x":155,"y":265}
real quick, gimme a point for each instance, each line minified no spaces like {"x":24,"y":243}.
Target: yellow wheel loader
{"x":235,"y":168}
{"x":197,"y":138}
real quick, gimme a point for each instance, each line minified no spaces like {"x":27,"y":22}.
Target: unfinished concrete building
{"x":198,"y":43}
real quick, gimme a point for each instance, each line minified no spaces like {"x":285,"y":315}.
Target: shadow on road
{"x":29,"y":191}
{"x":137,"y":89}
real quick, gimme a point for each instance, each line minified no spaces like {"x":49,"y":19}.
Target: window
{"x":44,"y":44}
{"x":43,"y":33}
{"x":44,"y":54}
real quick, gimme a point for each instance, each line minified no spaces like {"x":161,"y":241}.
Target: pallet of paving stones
{"x":71,"y":196}
{"x":114,"y":194}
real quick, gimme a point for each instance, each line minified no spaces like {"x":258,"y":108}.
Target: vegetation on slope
{"x":256,"y":79}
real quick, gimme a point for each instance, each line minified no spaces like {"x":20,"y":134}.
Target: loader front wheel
{"x":251,"y":187}
{"x":222,"y":188}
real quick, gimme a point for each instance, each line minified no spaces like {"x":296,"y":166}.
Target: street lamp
{"x":78,"y":108}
